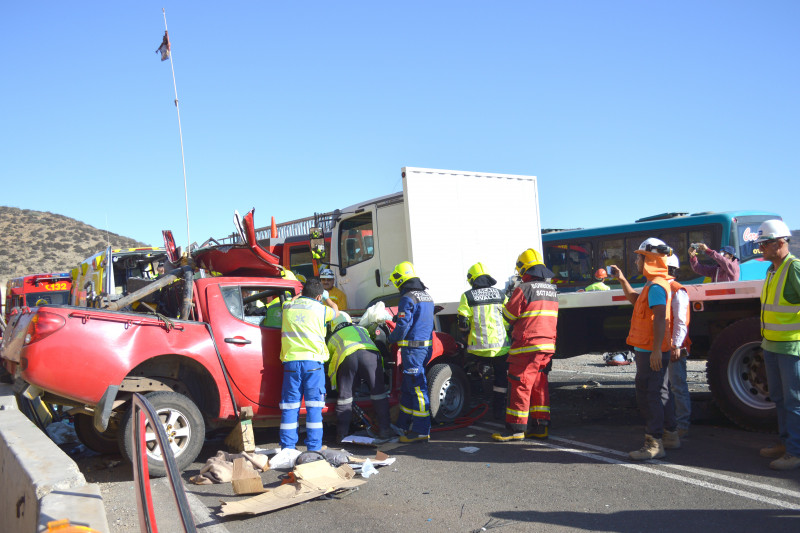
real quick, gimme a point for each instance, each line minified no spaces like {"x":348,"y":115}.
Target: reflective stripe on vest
{"x":345,"y":341}
{"x":303,"y":331}
{"x":780,"y":320}
{"x":414,"y":344}
{"x":533,"y":348}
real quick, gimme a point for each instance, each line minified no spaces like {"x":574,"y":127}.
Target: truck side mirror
{"x":317,"y":243}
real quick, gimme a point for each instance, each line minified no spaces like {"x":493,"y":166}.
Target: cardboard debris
{"x":242,"y":438}
{"x":245,"y":479}
{"x":313,"y":480}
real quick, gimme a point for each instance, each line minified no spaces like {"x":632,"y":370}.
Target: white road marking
{"x":649,"y":468}
{"x":204,"y":519}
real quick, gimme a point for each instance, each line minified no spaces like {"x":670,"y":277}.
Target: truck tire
{"x":183,"y":424}
{"x":104,"y":443}
{"x":448,"y":392}
{"x":737,"y":378}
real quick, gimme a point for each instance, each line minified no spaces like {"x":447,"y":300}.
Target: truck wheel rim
{"x":747,"y":377}
{"x":451,"y":398}
{"x":179,"y":433}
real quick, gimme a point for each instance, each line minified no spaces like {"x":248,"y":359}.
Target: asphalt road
{"x":578,"y":480}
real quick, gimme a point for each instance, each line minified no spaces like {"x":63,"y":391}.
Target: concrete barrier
{"x":40,"y":483}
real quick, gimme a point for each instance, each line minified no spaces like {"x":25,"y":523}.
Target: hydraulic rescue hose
{"x":475,"y":414}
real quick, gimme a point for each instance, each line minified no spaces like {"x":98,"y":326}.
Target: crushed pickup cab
{"x":198,"y":371}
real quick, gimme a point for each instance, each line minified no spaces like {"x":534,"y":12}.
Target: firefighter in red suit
{"x":532,"y":311}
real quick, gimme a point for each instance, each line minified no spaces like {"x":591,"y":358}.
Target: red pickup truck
{"x":198,"y":372}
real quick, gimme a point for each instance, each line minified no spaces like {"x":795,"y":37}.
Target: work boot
{"x":653,"y":449}
{"x":773,"y":452}
{"x":787,"y":462}
{"x":536,"y":430}
{"x":508,"y":435}
{"x":413,"y":436}
{"x":671,"y":440}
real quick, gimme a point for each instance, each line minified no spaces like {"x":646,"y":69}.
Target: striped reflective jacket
{"x":780,"y":319}
{"x":533,"y":311}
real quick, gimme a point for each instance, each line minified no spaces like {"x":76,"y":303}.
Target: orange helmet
{"x":601,"y":273}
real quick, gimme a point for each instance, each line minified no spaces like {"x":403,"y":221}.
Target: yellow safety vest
{"x":345,"y":341}
{"x":303,"y":330}
{"x":487,"y":333}
{"x":780,"y":320}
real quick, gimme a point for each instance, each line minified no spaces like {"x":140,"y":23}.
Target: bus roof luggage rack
{"x":662,"y":216}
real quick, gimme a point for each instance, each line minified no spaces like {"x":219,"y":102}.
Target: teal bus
{"x":574,"y":255}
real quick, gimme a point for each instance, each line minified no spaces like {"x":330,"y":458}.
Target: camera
{"x":694,"y":245}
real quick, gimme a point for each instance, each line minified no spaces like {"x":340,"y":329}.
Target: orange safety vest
{"x":641,"y":334}
{"x":675,"y":287}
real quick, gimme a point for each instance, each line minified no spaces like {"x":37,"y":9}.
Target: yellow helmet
{"x":476,"y":271}
{"x":402,"y":273}
{"x":527,"y":259}
{"x":288,"y":274}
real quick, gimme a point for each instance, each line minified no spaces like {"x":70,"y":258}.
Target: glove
{"x":325,"y":295}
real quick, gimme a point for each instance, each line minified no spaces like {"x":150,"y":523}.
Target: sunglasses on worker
{"x":764,"y":244}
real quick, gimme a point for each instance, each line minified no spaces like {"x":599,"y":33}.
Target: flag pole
{"x":180,"y":133}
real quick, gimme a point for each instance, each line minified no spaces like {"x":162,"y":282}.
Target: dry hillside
{"x":33,"y":242}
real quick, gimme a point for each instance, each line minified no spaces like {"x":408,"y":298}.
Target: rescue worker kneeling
{"x":303,"y":352}
{"x":533,"y":312}
{"x":414,"y":335}
{"x":354,"y":355}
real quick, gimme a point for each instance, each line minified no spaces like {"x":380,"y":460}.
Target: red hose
{"x":465,"y":421}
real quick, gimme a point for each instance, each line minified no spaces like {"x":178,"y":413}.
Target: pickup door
{"x":251,"y":353}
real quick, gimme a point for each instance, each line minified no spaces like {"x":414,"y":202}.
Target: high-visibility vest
{"x":597,"y":286}
{"x":641,"y":332}
{"x":303,"y":330}
{"x":487,"y":333}
{"x":345,"y":341}
{"x":274,"y":314}
{"x":780,"y":320}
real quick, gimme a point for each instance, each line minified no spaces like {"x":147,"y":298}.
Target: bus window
{"x":611,"y":252}
{"x":677,"y":240}
{"x":631,"y":272}
{"x":571,"y":263}
{"x":355,"y":240}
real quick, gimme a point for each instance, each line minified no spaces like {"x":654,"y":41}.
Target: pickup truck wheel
{"x":183,"y":424}
{"x":448,"y":391}
{"x":105,"y":442}
{"x":737,"y":378}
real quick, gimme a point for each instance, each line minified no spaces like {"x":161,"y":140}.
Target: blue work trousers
{"x":653,"y":396}
{"x":783,"y":377}
{"x":415,"y":406}
{"x":680,"y":392}
{"x":302,"y":380}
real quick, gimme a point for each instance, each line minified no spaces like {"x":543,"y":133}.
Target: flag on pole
{"x":164,"y":48}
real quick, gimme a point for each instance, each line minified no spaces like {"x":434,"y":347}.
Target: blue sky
{"x":623,"y":109}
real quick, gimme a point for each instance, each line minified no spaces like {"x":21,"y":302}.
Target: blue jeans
{"x":680,"y":391}
{"x":783,"y":377}
{"x":302,"y":380}
{"x":652,"y":395}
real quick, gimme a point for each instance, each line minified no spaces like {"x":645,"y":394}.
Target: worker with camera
{"x":726,"y":267}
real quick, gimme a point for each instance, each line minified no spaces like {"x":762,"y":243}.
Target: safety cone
{"x":273,"y":230}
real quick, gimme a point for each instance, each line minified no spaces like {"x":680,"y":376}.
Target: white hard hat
{"x":773,"y":229}
{"x":326,"y":273}
{"x":341,"y":318}
{"x":672,"y":261}
{"x":655,"y":245}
